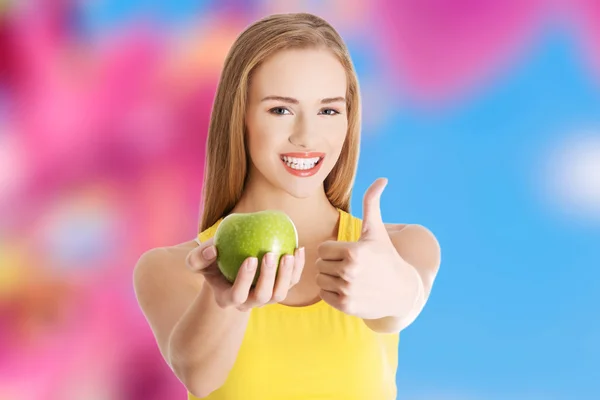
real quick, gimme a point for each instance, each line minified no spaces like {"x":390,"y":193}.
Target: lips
{"x":302,"y":164}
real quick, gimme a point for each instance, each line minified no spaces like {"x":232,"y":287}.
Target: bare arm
{"x":197,"y":338}
{"x":421,"y":251}
{"x":204,"y":343}
{"x":198,"y":319}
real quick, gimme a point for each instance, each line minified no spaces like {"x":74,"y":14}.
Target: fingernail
{"x":302,"y":251}
{"x":270,"y":259}
{"x":251,"y":264}
{"x":209,"y":253}
{"x":288,"y":259}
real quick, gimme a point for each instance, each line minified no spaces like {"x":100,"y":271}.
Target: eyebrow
{"x":291,"y":100}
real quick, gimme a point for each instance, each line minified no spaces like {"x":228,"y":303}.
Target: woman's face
{"x":296,"y":120}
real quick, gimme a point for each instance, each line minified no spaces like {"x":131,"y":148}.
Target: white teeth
{"x":300,"y":163}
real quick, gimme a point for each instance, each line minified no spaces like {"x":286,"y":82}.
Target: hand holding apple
{"x":229,"y":261}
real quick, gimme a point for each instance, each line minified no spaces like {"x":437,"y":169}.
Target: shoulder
{"x":413,"y":242}
{"x":417,"y":245}
{"x":415,"y":239}
{"x":391,"y":228}
{"x":412,"y":233}
{"x":158,"y":255}
{"x":397,"y":229}
{"x":159,"y":263}
{"x":400,"y":232}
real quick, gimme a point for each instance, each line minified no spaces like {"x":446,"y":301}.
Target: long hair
{"x":226,"y":164}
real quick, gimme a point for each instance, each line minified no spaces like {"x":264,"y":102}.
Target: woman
{"x":284,"y":135}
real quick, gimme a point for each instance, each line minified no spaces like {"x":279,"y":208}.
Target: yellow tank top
{"x":312,"y":352}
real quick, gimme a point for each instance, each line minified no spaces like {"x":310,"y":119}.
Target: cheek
{"x":337,"y":136}
{"x":255,"y":135}
{"x":264,"y":141}
{"x":257,"y":147}
{"x":335,"y":141}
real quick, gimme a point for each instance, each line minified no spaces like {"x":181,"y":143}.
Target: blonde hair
{"x":226,"y":153}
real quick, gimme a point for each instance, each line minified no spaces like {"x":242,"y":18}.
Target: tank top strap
{"x":350,"y":227}
{"x":209,"y":232}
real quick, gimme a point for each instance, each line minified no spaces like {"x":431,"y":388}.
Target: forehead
{"x":300,"y":73}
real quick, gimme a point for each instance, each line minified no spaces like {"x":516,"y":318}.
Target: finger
{"x":284,"y":277}
{"x":372,"y":222}
{"x":244,"y":307}
{"x":216,"y":280}
{"x":202,"y":256}
{"x":332,"y":268}
{"x":299,"y":260}
{"x":331,"y":283}
{"x":330,"y":298}
{"x":240,"y":290}
{"x":266,"y":280}
{"x":333,"y":250}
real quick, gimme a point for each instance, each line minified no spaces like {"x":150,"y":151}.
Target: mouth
{"x":302,"y":164}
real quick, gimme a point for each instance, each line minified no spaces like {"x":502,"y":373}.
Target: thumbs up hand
{"x":364,"y":278}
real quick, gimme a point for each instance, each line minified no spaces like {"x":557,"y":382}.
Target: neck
{"x":312,"y":215}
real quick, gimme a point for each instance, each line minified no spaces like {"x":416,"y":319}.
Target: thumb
{"x":202,"y":256}
{"x":372,"y":221}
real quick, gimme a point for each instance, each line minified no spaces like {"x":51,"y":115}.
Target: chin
{"x":302,"y":188}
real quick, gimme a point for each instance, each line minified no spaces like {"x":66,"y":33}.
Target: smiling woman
{"x":324,"y":322}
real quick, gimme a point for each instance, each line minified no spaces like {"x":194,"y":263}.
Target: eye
{"x":279,"y":110}
{"x":330,"y":111}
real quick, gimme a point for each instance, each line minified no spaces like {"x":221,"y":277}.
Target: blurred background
{"x":484,"y":115}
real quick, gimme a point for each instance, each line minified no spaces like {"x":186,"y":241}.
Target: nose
{"x":298,"y":144}
{"x":304,"y":134}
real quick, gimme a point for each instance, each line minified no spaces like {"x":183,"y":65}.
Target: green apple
{"x":243,"y":235}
